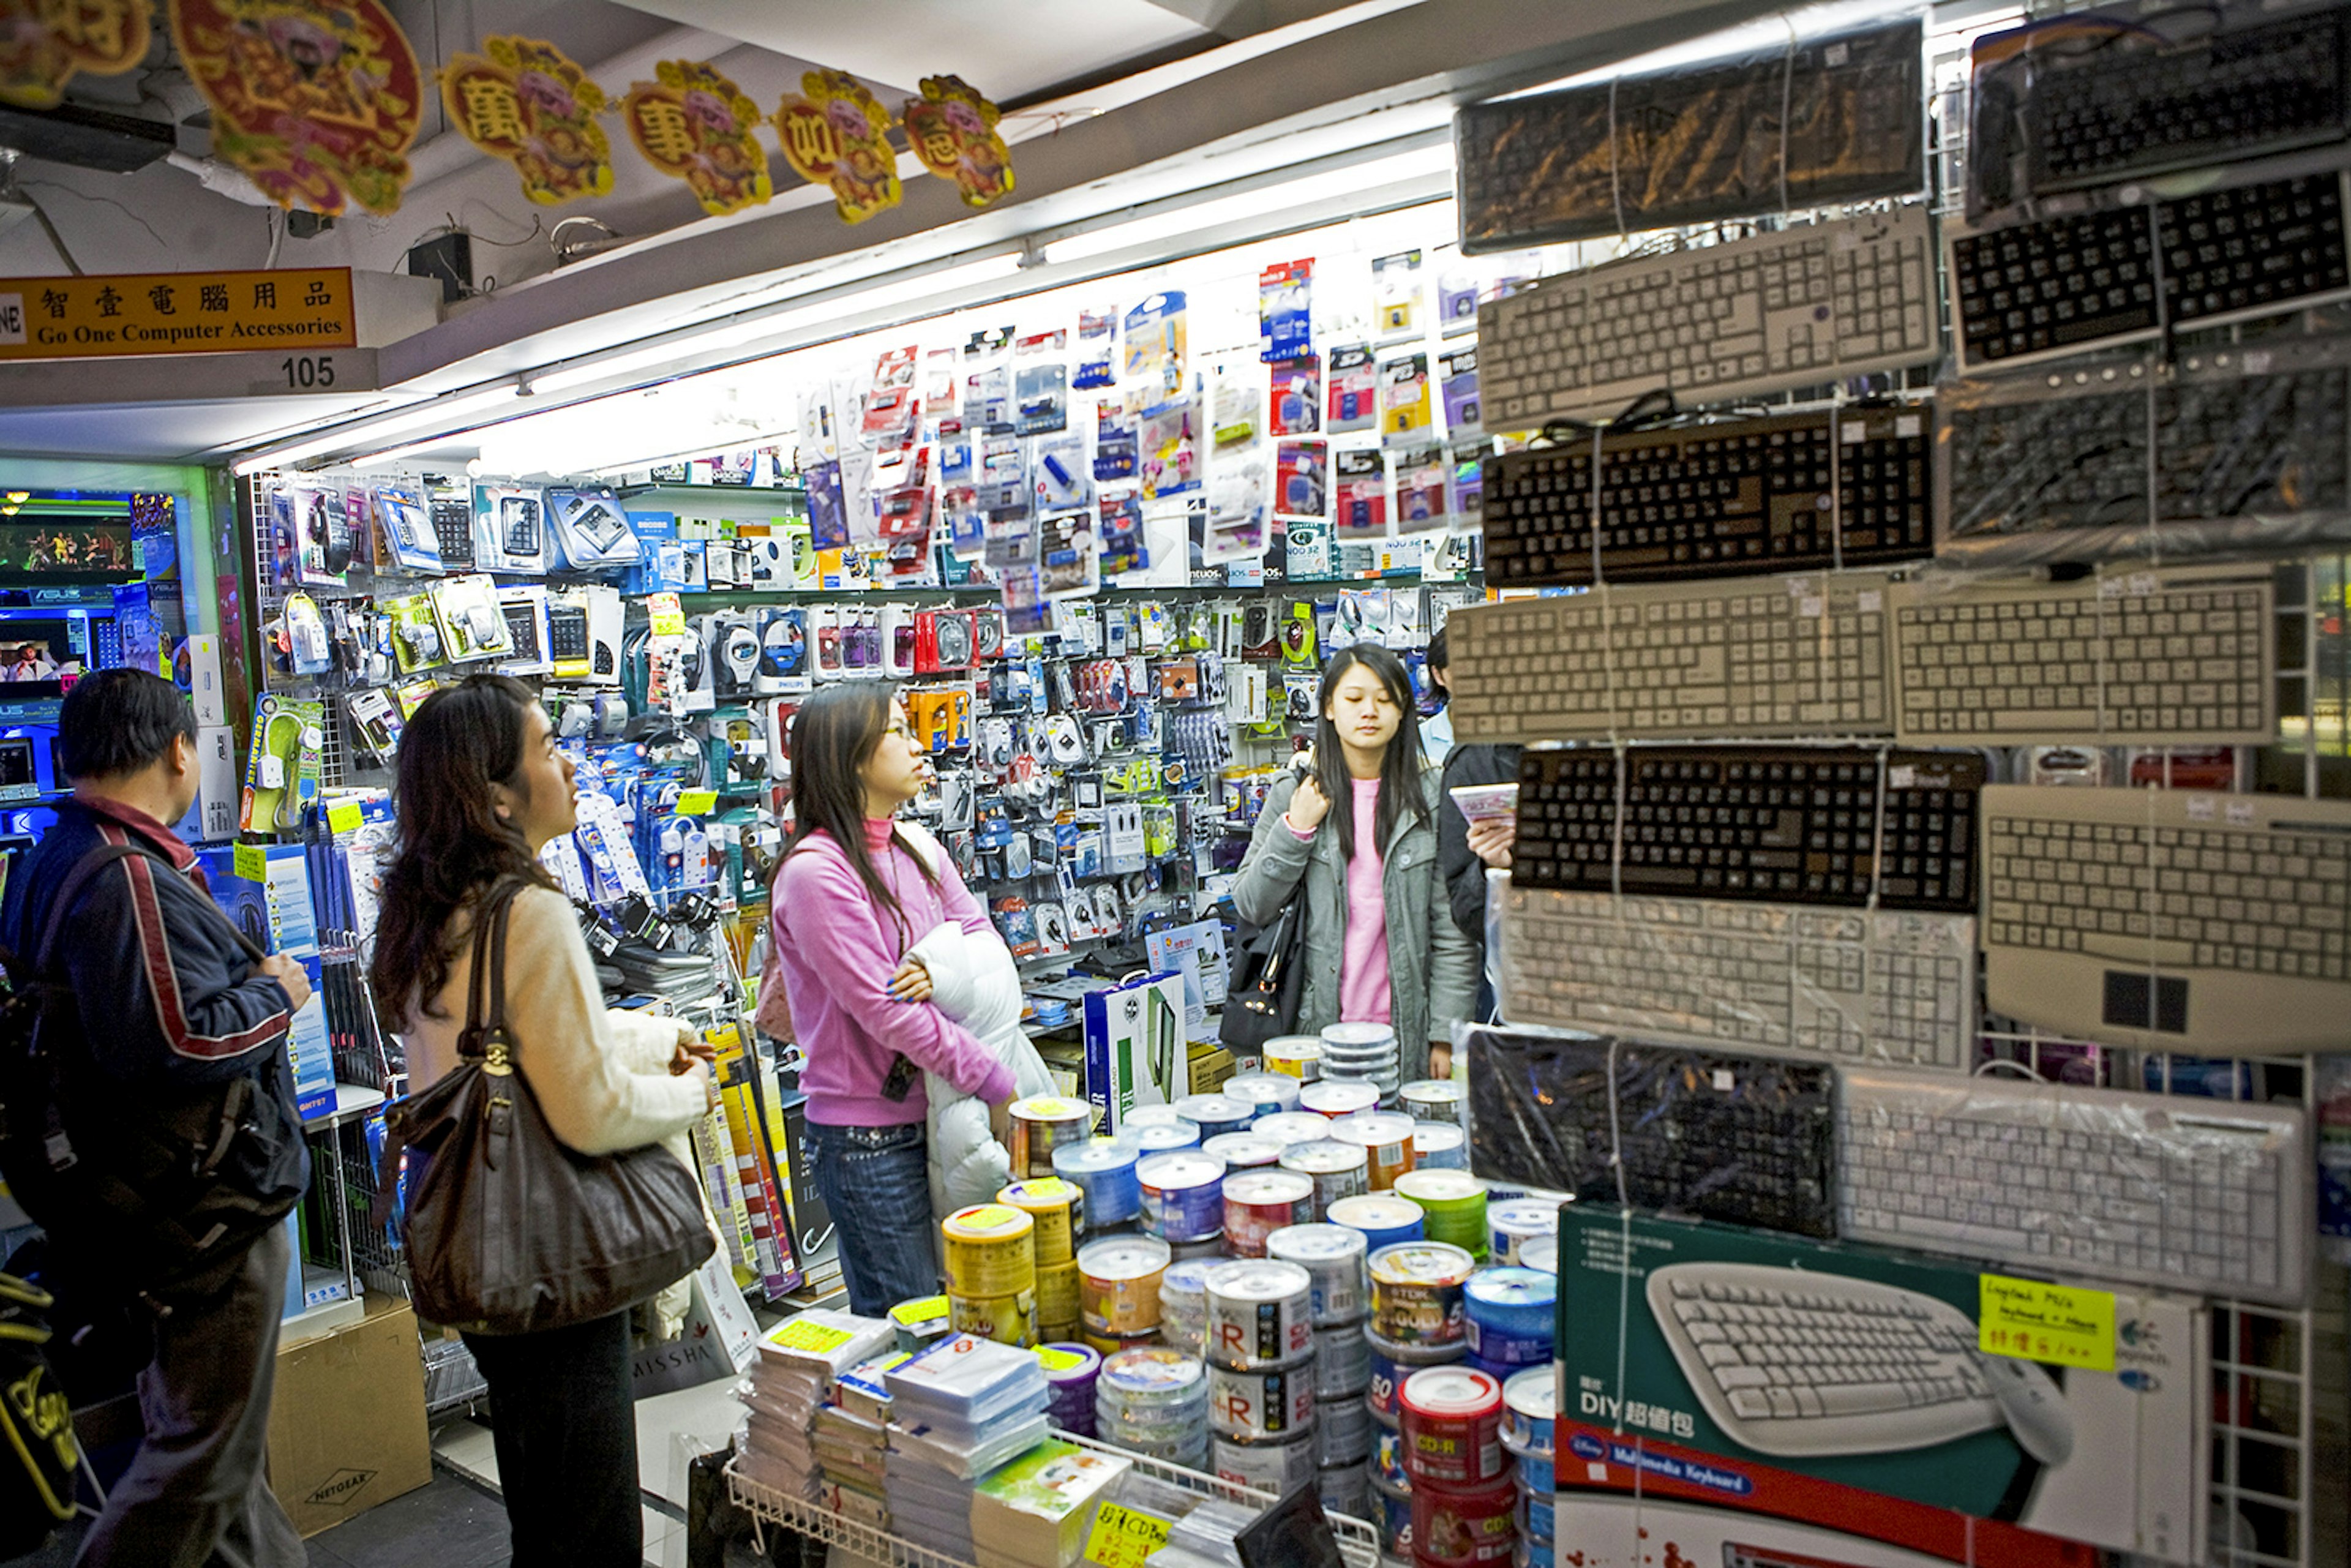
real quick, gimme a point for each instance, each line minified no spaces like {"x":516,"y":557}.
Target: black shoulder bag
{"x":509,"y":1232}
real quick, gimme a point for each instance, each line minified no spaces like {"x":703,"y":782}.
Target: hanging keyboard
{"x":2169,"y":919}
{"x":1804,"y":306}
{"x":1777,"y":494}
{"x":1841,"y":985}
{"x":1830,"y":825}
{"x":2193,"y":1195}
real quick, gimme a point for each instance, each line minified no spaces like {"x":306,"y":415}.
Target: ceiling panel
{"x":1006,"y":50}
{"x":155,"y":431}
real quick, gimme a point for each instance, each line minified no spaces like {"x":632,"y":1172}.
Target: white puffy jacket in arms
{"x":975,"y":982}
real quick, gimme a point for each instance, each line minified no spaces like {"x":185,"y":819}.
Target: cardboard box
{"x":1205,"y":1067}
{"x":346,"y":1421}
{"x":2033,"y":1460}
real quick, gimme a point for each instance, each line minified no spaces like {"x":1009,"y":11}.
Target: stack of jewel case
{"x":788,"y":1384}
{"x":851,"y":1436}
{"x":958,"y":1410}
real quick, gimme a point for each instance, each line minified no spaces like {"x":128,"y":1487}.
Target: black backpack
{"x":140,"y":1207}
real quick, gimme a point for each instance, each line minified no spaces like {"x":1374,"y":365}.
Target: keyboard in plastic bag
{"x":1741,"y":1140}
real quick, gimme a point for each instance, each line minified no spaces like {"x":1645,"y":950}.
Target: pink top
{"x":838,"y":949}
{"x":1363,"y":961}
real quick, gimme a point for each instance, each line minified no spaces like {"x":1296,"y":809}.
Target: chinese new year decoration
{"x":697,"y":125}
{"x":317,"y":100}
{"x":837,"y":133}
{"x":44,"y":43}
{"x":953,"y":131}
{"x":527,"y":102}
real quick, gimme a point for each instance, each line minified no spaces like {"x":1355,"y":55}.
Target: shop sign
{"x":694,"y":124}
{"x":836,"y":132}
{"x":316,"y":102}
{"x":953,"y":131}
{"x":293,"y":311}
{"x":45,"y":43}
{"x":526,"y":101}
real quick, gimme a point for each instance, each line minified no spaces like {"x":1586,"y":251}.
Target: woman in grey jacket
{"x":1355,"y":836}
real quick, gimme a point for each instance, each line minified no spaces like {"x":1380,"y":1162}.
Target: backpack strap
{"x":61,"y":904}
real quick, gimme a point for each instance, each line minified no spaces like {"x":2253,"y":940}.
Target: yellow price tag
{"x":797,"y":1335}
{"x":1123,"y":1537}
{"x":2056,"y":1324}
{"x":667,"y":615}
{"x":696,"y":802}
{"x":344,"y":816}
{"x":250,"y":862}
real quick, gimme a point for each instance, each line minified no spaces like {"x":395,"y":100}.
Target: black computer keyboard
{"x":2028,"y":465}
{"x":1740,"y":1140}
{"x":2084,"y":280}
{"x":2264,"y":445}
{"x":1779,"y":824}
{"x":452,"y":529}
{"x":567,"y":632}
{"x":2138,"y":105}
{"x":1754,"y":495}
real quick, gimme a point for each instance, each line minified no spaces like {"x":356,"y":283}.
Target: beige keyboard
{"x":1804,"y":306}
{"x":1842,"y":985}
{"x":1753,"y":656}
{"x":2169,"y":919}
{"x":2172,"y":658}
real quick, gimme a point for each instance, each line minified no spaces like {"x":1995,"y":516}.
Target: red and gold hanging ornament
{"x":953,"y":131}
{"x":45,"y":43}
{"x":526,"y":101}
{"x":317,"y":100}
{"x":836,"y":132}
{"x":695,"y":125}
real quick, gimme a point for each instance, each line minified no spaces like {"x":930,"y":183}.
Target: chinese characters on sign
{"x":953,"y":131}
{"x":2061,"y":1324}
{"x":837,"y":133}
{"x":530,"y":104}
{"x":295,"y":308}
{"x":44,"y":43}
{"x":696,"y":125}
{"x":316,"y":102}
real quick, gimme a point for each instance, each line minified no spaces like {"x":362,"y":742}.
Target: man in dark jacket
{"x":181,"y":1026}
{"x":1459,"y":860}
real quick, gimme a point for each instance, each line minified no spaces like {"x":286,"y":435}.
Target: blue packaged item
{"x":1535,"y":1464}
{"x":1510,"y":1312}
{"x":1103,"y":1169}
{"x":1385,"y":1221}
{"x":1535,"y":1516}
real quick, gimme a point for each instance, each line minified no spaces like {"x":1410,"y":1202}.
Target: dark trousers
{"x":196,"y":1495}
{"x":566,"y":1430}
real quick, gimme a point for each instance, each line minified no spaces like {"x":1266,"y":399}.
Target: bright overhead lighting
{"x":738,"y":332}
{"x":1266,"y":200}
{"x":369,"y":432}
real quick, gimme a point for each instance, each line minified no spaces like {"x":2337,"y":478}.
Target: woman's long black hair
{"x":834,"y":734}
{"x":452,"y":841}
{"x":1399,"y":766}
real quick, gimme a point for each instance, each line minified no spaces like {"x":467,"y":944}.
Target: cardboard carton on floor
{"x":347,"y":1422}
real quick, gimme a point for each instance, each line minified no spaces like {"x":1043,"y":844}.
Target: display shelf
{"x":630,"y":492}
{"x":1358,"y":1541}
{"x":351,"y":1100}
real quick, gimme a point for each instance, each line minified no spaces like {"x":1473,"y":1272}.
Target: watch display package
{"x":1794,"y":124}
{"x":1359,"y":484}
{"x":1692,"y":1133}
{"x":1354,"y":389}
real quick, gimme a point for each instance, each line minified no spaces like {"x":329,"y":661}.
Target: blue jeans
{"x":876,"y":1183}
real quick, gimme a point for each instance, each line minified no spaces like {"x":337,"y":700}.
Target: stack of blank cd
{"x":1365,"y":1053}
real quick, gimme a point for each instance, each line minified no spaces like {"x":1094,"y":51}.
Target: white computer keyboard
{"x":2171,"y":658}
{"x":1804,"y":306}
{"x":1842,"y":985}
{"x":2169,"y":918}
{"x":2196,"y":1195}
{"x":1755,"y":656}
{"x":1793,"y":1362}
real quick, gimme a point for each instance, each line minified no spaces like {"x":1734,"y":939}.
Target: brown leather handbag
{"x":509,"y":1232}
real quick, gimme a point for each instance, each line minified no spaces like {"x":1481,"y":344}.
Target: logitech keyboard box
{"x":1853,"y":1387}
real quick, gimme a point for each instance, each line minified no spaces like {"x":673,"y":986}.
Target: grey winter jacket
{"x":1432,"y":967}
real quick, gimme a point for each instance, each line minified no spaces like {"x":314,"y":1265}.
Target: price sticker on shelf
{"x":666,"y":614}
{"x":344,"y":816}
{"x":2033,"y":1321}
{"x":797,"y":1333}
{"x":250,"y":862}
{"x":1873,"y":601}
{"x":1125,"y":1537}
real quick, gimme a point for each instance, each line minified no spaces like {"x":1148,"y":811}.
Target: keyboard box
{"x":1683,"y":1345}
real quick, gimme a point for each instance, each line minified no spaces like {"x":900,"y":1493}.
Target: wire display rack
{"x":1358,"y":1541}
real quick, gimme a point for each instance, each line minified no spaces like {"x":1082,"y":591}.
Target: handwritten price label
{"x":1123,"y":1537}
{"x":2037,"y":1321}
{"x":344,"y":816}
{"x":250,"y":862}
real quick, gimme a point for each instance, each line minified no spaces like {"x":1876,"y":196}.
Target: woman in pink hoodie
{"x":852,"y":896}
